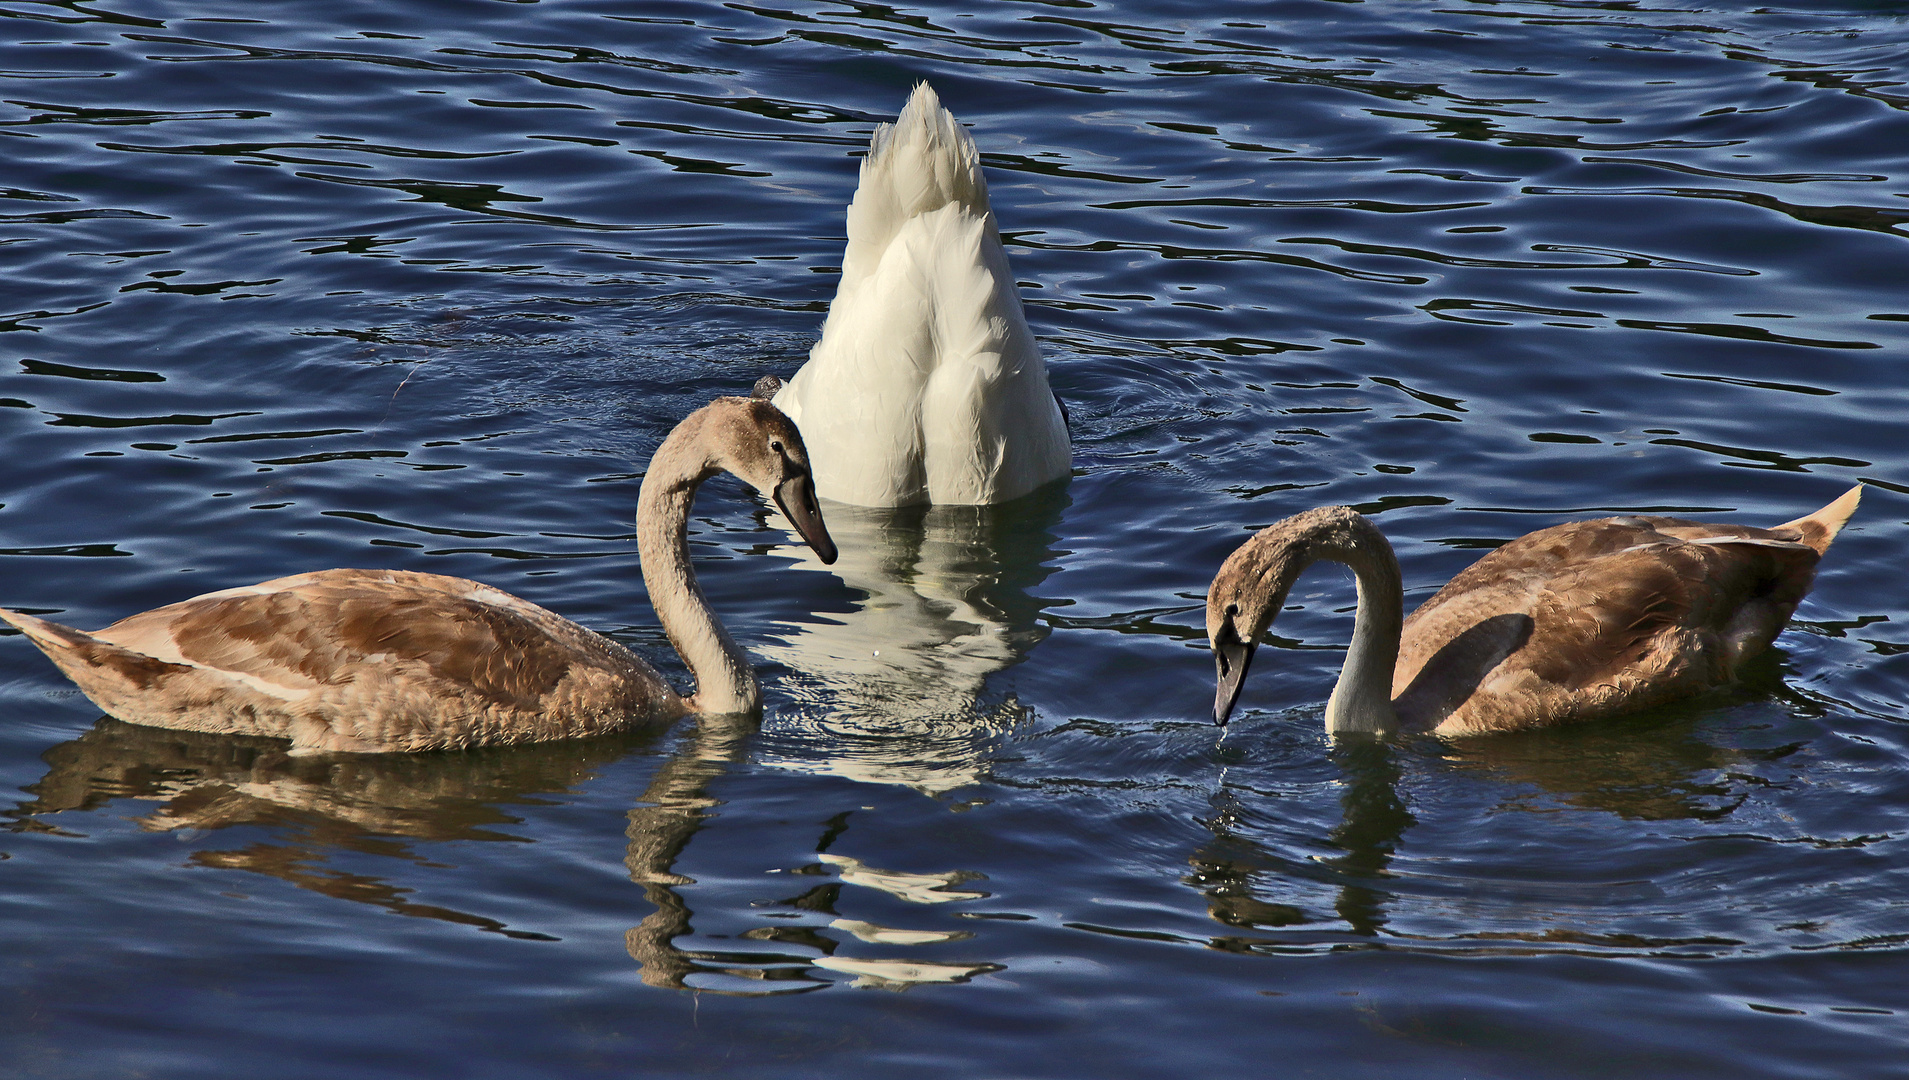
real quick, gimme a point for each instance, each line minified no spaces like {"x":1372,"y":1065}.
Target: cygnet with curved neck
{"x":1575,"y":622}
{"x":370,"y":661}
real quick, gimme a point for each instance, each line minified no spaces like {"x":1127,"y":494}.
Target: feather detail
{"x":1575,"y":622}
{"x":390,"y":660}
{"x":927,"y":385}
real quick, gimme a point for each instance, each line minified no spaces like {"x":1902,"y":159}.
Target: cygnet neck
{"x":725,"y":681}
{"x":1362,"y":698}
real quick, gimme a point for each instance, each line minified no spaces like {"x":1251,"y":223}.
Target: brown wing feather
{"x":316,"y":629}
{"x":398,"y":660}
{"x":1622,"y":613}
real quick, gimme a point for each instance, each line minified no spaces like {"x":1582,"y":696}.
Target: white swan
{"x":1575,"y":622}
{"x":927,"y":385}
{"x":370,"y":661}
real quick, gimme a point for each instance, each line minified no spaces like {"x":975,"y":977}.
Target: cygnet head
{"x":1251,"y":587}
{"x":754,"y":440}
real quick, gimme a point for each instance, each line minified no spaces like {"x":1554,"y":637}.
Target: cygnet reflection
{"x":895,"y":690}
{"x":303,"y":819}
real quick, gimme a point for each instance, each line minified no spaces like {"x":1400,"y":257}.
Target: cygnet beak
{"x":1231,"y":656}
{"x":795,"y":497}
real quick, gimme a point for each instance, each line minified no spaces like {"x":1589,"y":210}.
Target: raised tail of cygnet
{"x":116,"y":679}
{"x":1818,"y":529}
{"x":59,"y":643}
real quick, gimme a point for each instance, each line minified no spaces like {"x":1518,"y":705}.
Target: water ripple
{"x":455,"y":269}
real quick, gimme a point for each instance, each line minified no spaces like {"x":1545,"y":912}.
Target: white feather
{"x":927,"y":385}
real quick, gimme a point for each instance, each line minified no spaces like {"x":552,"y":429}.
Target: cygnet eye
{"x":776,"y":445}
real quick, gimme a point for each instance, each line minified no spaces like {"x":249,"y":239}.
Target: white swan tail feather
{"x":927,"y":385}
{"x":918,"y":164}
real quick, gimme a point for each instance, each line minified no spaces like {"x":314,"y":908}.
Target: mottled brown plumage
{"x":1574,"y":622}
{"x":385,"y":660}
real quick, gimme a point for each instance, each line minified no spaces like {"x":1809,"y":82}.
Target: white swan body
{"x":369,"y":661}
{"x":927,"y":385}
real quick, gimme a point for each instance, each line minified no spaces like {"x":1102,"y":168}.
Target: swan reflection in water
{"x":1374,"y":820}
{"x":317,"y":809}
{"x":678,"y":803}
{"x":894,"y":691}
{"x":1512,"y":900}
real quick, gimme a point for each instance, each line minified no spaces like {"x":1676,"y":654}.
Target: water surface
{"x":422,"y":285}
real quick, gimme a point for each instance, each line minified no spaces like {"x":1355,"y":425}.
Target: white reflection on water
{"x":901,"y":974}
{"x":895,"y":691}
{"x":914,"y":888}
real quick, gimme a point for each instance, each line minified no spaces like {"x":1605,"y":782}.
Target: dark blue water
{"x":422,"y":284}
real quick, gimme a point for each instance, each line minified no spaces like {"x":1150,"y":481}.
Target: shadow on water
{"x":672,"y":809}
{"x":895,"y":690}
{"x":1638,"y":770}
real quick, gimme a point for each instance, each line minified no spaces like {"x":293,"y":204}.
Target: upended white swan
{"x":1575,"y":622}
{"x":927,"y":385}
{"x":369,"y":661}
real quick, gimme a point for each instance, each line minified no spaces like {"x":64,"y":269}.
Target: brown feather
{"x":383,"y":660}
{"x":1624,"y":613}
{"x":1574,"y":622}
{"x":361,"y":660}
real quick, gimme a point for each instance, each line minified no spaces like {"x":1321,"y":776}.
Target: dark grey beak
{"x":795,"y":497}
{"x":1231,"y":656}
